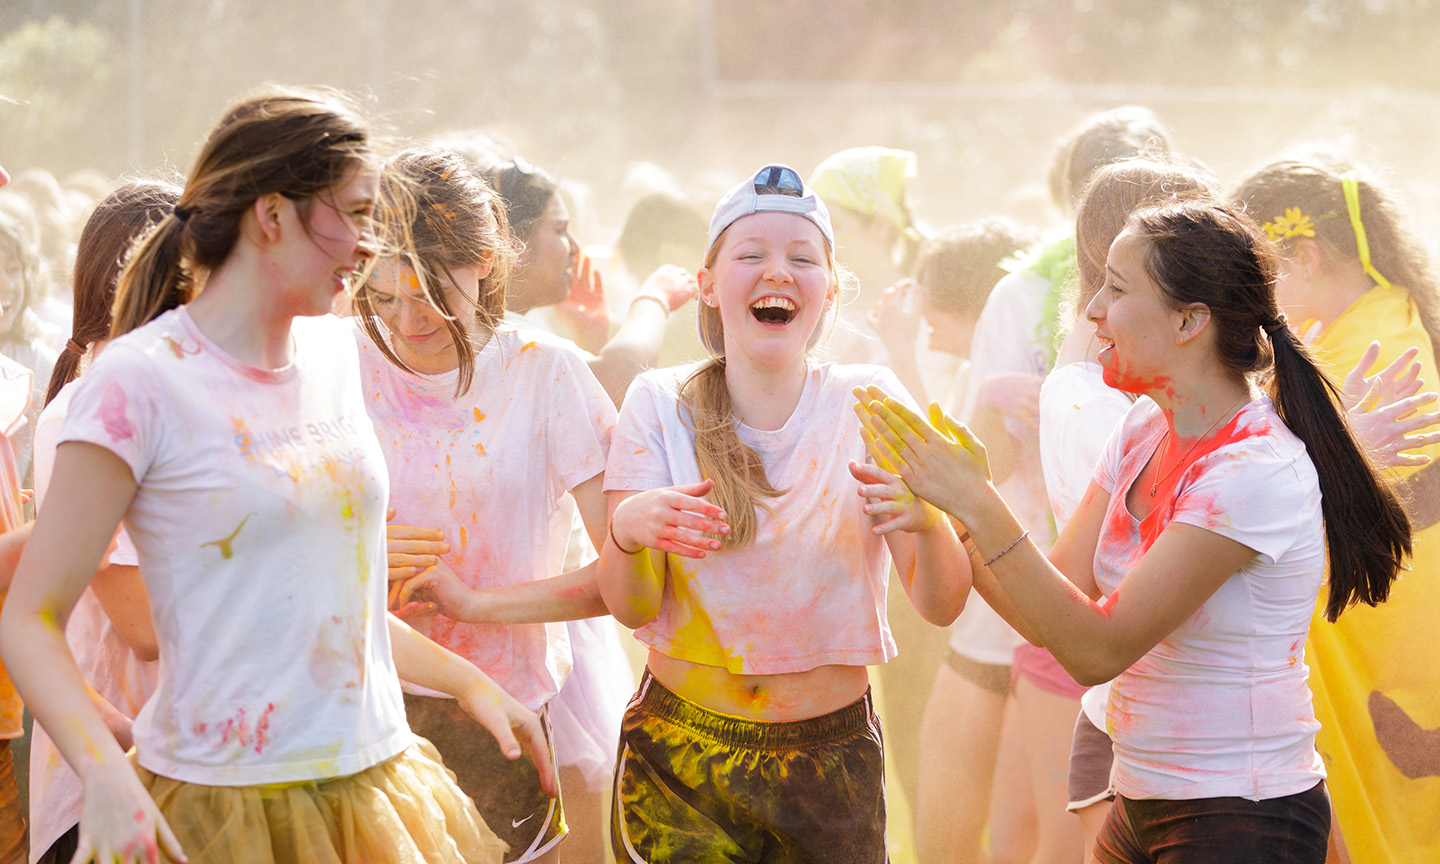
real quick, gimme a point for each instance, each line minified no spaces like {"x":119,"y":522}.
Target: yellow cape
{"x":1375,"y":673}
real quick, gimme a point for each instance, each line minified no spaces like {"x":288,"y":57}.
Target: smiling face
{"x":771,"y":283}
{"x":543,"y":274}
{"x":1134,"y":323}
{"x":419,"y":334}
{"x":334,"y":240}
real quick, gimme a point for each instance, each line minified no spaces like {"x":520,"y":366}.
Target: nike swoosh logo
{"x":516,"y":823}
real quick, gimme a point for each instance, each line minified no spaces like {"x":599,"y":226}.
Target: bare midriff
{"x":783,"y":697}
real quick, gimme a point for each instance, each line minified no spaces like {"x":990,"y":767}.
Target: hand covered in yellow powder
{"x":941,"y":461}
{"x":887,"y":497}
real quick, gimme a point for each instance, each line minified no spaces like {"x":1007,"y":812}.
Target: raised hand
{"x":1382,"y":409}
{"x":672,"y":519}
{"x":672,"y":285}
{"x":941,"y":461}
{"x":584,"y":311}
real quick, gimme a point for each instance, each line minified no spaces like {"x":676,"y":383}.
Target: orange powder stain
{"x":526,"y":347}
{"x":480,"y":448}
{"x":462,"y":537}
{"x":478,"y":415}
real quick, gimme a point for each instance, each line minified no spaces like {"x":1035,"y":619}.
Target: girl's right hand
{"x":120,"y":822}
{"x":672,"y":519}
{"x":515,"y":727}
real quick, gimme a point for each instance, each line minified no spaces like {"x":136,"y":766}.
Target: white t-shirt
{"x":1009,"y":338}
{"x":1220,"y":707}
{"x":260,"y":525}
{"x":810,"y":590}
{"x":1078,"y":414}
{"x":489,"y":469}
{"x":106,"y":663}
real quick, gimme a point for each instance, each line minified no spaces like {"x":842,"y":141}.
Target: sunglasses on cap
{"x":779,"y":180}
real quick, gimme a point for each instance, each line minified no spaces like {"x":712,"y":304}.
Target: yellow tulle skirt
{"x":406,"y":810}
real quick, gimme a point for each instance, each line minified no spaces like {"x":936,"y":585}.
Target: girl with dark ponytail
{"x":1206,"y":529}
{"x":1359,"y":284}
{"x":752,"y":570}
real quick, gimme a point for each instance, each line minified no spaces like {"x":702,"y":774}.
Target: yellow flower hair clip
{"x":1293,"y":224}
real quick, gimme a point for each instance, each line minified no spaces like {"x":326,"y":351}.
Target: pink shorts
{"x":1039,"y":667}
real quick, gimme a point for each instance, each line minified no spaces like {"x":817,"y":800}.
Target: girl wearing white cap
{"x":741,"y":552}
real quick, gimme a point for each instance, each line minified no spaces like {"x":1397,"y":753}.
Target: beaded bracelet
{"x":996,"y":557}
{"x":637,"y":551}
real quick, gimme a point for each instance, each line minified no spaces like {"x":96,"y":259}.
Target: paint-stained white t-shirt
{"x":260,"y":526}
{"x":489,"y":469}
{"x":810,"y":591}
{"x":1220,"y":707}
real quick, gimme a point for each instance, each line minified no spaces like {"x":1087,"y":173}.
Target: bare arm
{"x":122,"y":595}
{"x":569,"y":596}
{"x":90,"y":491}
{"x":635,"y":347}
{"x":643,"y":527}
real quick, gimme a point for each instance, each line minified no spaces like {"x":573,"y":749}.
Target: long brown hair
{"x":1205,"y":252}
{"x":741,"y":485}
{"x":1313,"y":184}
{"x":297,"y":143}
{"x":442,"y":216}
{"x":118,"y":221}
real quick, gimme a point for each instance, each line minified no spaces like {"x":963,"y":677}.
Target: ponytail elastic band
{"x":77,"y":347}
{"x":1279,"y":323}
{"x":183,"y":214}
{"x":1351,"y":184}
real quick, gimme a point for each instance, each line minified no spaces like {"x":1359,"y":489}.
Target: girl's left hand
{"x":888,"y":498}
{"x":941,"y":461}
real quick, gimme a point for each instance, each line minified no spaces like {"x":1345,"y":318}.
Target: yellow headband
{"x":1351,"y":184}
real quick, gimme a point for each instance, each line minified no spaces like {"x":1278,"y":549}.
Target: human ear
{"x":487,"y":264}
{"x":1307,"y":257}
{"x":707,"y":286}
{"x":267,"y":215}
{"x":1194,"y":318}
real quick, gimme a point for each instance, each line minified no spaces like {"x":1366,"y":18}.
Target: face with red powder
{"x":1135,"y":324}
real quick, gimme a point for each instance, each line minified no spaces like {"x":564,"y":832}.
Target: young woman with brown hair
{"x":228,"y":429}
{"x":1206,"y":533}
{"x":753,"y":571}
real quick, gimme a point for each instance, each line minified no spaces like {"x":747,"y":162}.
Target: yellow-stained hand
{"x":941,"y":460}
{"x":513,"y":725}
{"x":119,"y":821}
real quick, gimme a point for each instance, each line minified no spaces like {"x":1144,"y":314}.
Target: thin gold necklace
{"x":1191,"y":449}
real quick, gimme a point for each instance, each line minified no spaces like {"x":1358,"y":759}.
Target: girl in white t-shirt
{"x":485,"y":427}
{"x":752,"y":735}
{"x":231,"y":435}
{"x":1206,"y":534}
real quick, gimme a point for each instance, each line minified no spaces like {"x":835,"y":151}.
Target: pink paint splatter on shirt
{"x":112,"y":414}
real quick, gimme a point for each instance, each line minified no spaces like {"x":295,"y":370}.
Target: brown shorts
{"x":1091,"y":757}
{"x":507,"y":793}
{"x":695,"y":785}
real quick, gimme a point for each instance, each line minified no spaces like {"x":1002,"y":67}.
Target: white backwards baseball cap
{"x":775,"y":188}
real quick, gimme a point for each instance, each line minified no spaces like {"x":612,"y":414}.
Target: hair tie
{"x":77,"y":347}
{"x":1278,"y":323}
{"x":183,"y":213}
{"x":1350,"y":182}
